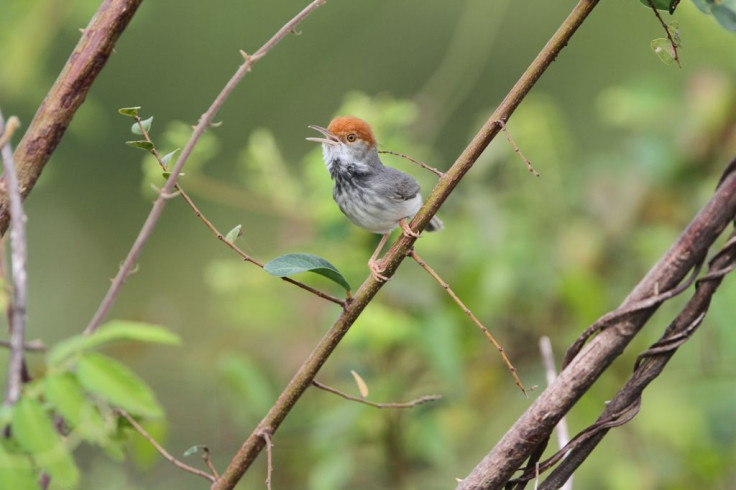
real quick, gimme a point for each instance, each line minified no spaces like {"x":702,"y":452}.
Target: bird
{"x":371,"y":195}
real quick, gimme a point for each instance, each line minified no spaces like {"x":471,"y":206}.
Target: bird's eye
{"x":352,"y":137}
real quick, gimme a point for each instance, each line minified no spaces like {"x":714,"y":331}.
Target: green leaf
{"x":663,"y":49}
{"x":114,"y":382}
{"x":16,"y":471}
{"x":146,"y":123}
{"x":290,"y":264}
{"x":35,"y":432}
{"x":66,"y":394}
{"x":234,"y":234}
{"x":129,"y":111}
{"x":114,"y":330}
{"x":668,"y":5}
{"x":725,"y":14}
{"x":167,"y":158}
{"x":166,"y":175}
{"x":142,"y":144}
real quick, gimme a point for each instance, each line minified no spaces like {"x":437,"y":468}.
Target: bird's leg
{"x":408,"y":232}
{"x":376,"y":266}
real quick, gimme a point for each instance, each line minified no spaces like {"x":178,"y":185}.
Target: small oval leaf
{"x":146,"y":123}
{"x":142,"y":144}
{"x":35,"y":432}
{"x":668,"y":5}
{"x":167,"y":158}
{"x":290,"y":264}
{"x":362,"y":386}
{"x":234,"y":234}
{"x":129,"y":111}
{"x":114,"y":382}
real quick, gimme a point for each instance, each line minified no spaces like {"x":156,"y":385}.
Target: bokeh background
{"x":629,"y":149}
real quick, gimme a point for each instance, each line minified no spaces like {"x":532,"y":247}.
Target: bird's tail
{"x":435,"y":224}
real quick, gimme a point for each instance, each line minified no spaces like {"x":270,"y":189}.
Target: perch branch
{"x":202,"y":125}
{"x":411,"y":404}
{"x":254,"y":444}
{"x":66,"y":95}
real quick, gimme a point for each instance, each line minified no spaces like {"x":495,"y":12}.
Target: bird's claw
{"x":377,"y":267}
{"x":408,"y":232}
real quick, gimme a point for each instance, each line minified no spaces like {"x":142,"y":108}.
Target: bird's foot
{"x":377,"y":267}
{"x":408,"y":232}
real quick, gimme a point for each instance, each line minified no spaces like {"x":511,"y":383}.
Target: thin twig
{"x":667,"y":31}
{"x":201,"y":127}
{"x":421,"y":164}
{"x":563,"y":433}
{"x":266,"y":435}
{"x":32,"y":346}
{"x":208,"y":461}
{"x":517,"y":150}
{"x":198,"y":213}
{"x":411,"y":404}
{"x":472,"y":317}
{"x":163,"y":451}
{"x":18,"y":259}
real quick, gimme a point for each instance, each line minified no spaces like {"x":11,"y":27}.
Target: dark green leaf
{"x":235,"y":233}
{"x":129,"y":111}
{"x":725,"y":14}
{"x":668,"y":5}
{"x":114,"y":330}
{"x":35,"y":432}
{"x":114,"y":382}
{"x":142,"y":144}
{"x":290,"y":264}
{"x":146,"y":123}
{"x":166,"y":175}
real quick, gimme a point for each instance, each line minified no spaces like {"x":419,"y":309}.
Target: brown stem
{"x":166,"y":191}
{"x":161,"y":449}
{"x":472,"y":317}
{"x":198,"y":213}
{"x":67,"y":94}
{"x":367,"y":291}
{"x":666,"y":31}
{"x":407,"y":157}
{"x":410,"y":404}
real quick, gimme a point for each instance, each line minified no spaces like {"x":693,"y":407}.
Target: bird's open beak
{"x":329,"y":139}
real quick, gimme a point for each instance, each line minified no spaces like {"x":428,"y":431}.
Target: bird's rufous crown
{"x":346,"y":125}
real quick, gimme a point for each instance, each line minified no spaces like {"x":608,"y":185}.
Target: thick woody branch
{"x":66,"y":95}
{"x":535,"y":425}
{"x":651,"y":363}
{"x":254,"y":444}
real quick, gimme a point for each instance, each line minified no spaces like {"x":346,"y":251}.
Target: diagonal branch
{"x":166,"y":191}
{"x":66,"y":95}
{"x":254,"y":444}
{"x":536,"y":424}
{"x":410,"y":404}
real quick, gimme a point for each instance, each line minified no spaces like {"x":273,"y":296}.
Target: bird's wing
{"x":399,"y":185}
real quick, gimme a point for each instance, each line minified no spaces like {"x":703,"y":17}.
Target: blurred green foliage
{"x":628,"y":150}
